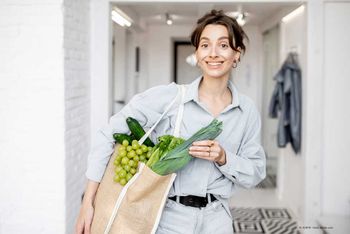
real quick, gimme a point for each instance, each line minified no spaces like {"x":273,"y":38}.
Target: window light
{"x":121,"y":18}
{"x":293,"y":14}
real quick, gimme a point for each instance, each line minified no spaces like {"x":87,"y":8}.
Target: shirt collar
{"x":192,"y":93}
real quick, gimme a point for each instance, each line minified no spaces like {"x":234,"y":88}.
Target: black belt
{"x":194,"y":201}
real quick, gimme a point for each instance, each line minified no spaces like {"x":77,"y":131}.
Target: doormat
{"x":263,"y":220}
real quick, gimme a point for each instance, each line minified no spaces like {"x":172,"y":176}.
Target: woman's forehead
{"x":214,"y":32}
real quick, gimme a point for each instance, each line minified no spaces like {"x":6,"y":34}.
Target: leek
{"x":179,"y":157}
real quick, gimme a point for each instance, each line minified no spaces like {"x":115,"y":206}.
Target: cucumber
{"x":137,"y":130}
{"x":120,"y":137}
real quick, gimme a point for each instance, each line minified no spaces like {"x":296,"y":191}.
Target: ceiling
{"x":183,"y":13}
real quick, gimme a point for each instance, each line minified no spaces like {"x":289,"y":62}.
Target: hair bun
{"x":217,"y":12}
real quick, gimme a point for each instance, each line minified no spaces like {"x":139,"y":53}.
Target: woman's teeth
{"x":214,"y":63}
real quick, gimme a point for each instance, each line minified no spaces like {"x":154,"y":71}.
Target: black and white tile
{"x":263,"y":220}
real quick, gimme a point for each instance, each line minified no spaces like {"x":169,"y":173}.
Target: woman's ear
{"x":237,"y":56}
{"x":197,"y":58}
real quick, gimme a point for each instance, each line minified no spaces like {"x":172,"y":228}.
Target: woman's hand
{"x":84,"y":219}
{"x":87,"y":209}
{"x":210,"y":150}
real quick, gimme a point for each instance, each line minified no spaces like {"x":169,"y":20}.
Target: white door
{"x":269,"y":125}
{"x":185,"y":73}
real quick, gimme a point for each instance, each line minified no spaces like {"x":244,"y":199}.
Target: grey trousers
{"x":180,"y":219}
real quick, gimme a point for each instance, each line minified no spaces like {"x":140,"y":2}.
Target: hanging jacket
{"x":286,"y":99}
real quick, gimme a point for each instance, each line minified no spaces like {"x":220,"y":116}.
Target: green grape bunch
{"x":127,"y":160}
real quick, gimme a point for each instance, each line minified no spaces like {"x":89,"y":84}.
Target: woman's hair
{"x":235,"y":32}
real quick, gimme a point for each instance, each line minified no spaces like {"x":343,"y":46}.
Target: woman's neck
{"x":214,"y":88}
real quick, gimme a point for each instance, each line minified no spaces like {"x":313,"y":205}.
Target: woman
{"x":198,"y":199}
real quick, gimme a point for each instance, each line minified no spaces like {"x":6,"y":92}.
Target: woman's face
{"x":214,"y":54}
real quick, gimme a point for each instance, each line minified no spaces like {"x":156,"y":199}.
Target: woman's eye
{"x":204,"y":45}
{"x":224,"y":45}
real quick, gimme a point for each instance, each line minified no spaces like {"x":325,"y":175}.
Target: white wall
{"x":336,"y":160}
{"x":248,"y":74}
{"x":44,"y":114}
{"x":100,"y":65}
{"x":290,"y":171}
{"x":32,"y":115}
{"x":134,"y":36}
{"x":119,"y":66}
{"x":160,"y":51}
{"x":76,"y":42}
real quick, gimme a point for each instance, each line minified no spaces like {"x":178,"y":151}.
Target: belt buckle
{"x":208,"y":198}
{"x":198,"y":202}
{"x":191,"y":201}
{"x":194,"y":201}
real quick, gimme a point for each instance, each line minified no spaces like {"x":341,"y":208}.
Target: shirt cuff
{"x":228,"y":169}
{"x":94,"y":173}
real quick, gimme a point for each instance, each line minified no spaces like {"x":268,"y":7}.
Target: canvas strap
{"x":180,"y":94}
{"x":180,"y":112}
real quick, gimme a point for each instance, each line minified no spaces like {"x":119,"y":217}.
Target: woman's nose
{"x":213,"y":52}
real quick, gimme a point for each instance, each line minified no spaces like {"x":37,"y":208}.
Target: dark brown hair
{"x":235,"y":32}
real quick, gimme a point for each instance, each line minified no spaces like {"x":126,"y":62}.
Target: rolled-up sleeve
{"x":142,"y":108}
{"x":248,"y":167}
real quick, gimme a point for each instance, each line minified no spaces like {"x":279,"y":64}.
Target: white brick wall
{"x":77,"y":103}
{"x":31,"y":117}
{"x":44,"y":113}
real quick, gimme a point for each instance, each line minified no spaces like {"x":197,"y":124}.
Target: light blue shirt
{"x":245,"y":158}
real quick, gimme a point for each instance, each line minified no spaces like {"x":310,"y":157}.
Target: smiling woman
{"x":218,"y":40}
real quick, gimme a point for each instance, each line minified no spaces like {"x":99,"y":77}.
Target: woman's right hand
{"x":83,"y":225}
{"x":84,"y":221}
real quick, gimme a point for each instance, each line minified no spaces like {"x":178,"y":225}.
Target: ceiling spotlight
{"x":240,"y":16}
{"x":168,"y":19}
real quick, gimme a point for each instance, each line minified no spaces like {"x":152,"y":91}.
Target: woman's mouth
{"x":215,"y":64}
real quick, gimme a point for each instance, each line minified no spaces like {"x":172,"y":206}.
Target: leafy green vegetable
{"x":179,"y":157}
{"x":165,"y":144}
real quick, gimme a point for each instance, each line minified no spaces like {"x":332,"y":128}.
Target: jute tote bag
{"x":135,"y":208}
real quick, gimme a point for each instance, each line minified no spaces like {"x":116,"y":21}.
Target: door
{"x":269,"y":125}
{"x":184,"y":73}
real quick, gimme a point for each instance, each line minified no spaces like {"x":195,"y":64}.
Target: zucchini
{"x":120,"y":137}
{"x":137,"y":130}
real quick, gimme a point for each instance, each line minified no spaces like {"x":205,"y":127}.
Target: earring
{"x":234,"y":64}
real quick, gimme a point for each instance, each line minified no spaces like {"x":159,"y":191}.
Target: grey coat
{"x":286,"y":99}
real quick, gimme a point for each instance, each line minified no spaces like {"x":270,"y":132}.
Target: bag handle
{"x":180,"y":113}
{"x":180,"y":93}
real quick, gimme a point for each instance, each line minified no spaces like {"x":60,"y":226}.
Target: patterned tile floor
{"x":263,"y":220}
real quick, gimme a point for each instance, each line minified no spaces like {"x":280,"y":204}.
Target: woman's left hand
{"x":210,"y":150}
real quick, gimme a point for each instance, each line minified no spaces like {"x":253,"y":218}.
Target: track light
{"x":168,"y":19}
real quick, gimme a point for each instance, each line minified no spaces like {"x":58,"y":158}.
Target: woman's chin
{"x":216,"y":74}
